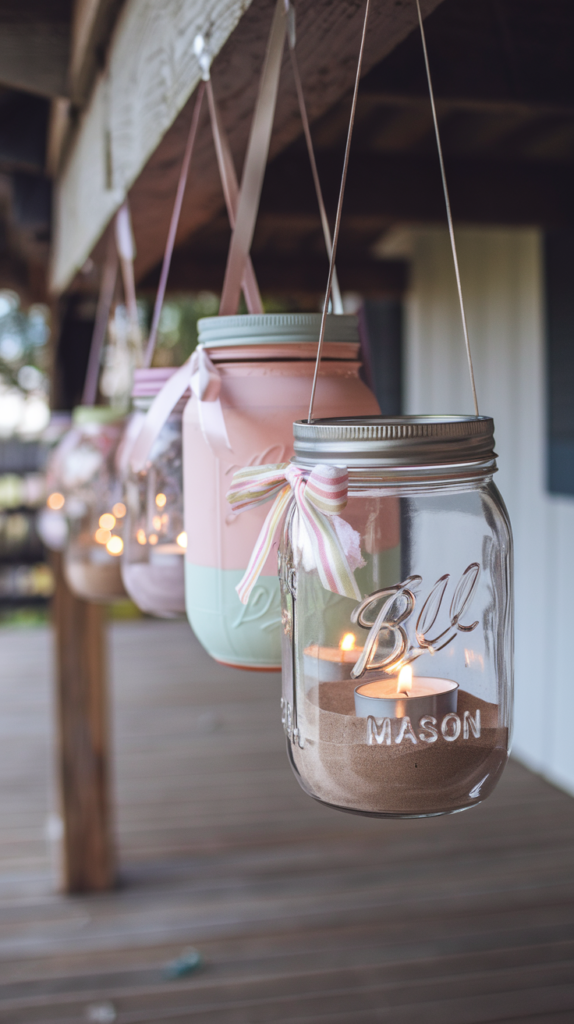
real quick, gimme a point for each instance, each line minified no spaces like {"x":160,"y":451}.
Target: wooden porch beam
{"x":132,"y":133}
{"x":83,"y":755}
{"x":387,"y":187}
{"x":497,"y":106}
{"x":150,"y":73}
{"x":305,"y":275}
{"x":35,"y":47}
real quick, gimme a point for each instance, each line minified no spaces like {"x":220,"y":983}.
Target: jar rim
{"x":148,"y":381}
{"x":396,"y":442}
{"x":275,"y":329}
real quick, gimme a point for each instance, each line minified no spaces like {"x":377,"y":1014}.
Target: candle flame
{"x":405,"y":683}
{"x":348,"y":642}
{"x":55,"y":501}
{"x":115,"y":545}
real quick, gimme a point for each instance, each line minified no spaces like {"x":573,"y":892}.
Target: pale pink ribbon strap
{"x":292,"y":39}
{"x":173,"y":225}
{"x":318,"y":496}
{"x":254,"y":166}
{"x":199,"y":374}
{"x":230,"y":191}
{"x":105,"y":299}
{"x":228,"y":177}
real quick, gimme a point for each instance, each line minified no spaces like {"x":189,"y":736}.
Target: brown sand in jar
{"x":95,"y":582}
{"x":338,"y":765}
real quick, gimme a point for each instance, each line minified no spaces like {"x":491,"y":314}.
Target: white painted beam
{"x":151,"y":73}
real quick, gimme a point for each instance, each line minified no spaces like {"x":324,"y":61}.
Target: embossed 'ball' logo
{"x":387,"y":645}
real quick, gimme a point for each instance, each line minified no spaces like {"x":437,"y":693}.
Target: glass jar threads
{"x":94,"y":506}
{"x":265,"y":365}
{"x":155,"y":542}
{"x":399,"y":702}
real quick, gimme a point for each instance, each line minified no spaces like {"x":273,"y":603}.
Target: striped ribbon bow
{"x":318,"y":496}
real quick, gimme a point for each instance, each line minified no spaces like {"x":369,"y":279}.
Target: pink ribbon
{"x":199,"y":374}
{"x":325,"y":542}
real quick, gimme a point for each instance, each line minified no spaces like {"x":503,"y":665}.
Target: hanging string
{"x":291,"y":38}
{"x":105,"y":299}
{"x":339,"y":213}
{"x":173,"y":225}
{"x":127,"y":254}
{"x":448,"y":211}
{"x":254,"y":164}
{"x":230,"y":187}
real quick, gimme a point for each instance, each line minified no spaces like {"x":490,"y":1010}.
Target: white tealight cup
{"x":330,"y":664}
{"x":428,"y":696}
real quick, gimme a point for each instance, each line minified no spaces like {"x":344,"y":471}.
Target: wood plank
{"x":137,"y":110}
{"x":151,"y":72}
{"x":387,"y":187}
{"x":35,"y":46}
{"x":470,"y":998}
{"x":306,"y":275}
{"x":301,"y":913}
{"x":83,"y":750}
{"x":92,"y":23}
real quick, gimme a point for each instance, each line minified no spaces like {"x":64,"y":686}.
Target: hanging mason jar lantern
{"x":51,"y":523}
{"x":397,"y":614}
{"x":258,"y":382}
{"x":94,"y":506}
{"x":155,"y":540}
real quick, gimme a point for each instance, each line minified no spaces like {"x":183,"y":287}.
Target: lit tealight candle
{"x":404,"y":695}
{"x":331,"y":664}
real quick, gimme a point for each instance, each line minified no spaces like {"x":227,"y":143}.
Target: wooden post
{"x":83,"y":745}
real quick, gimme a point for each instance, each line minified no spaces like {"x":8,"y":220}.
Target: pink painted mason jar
{"x":266,"y":364}
{"x":152,"y":561}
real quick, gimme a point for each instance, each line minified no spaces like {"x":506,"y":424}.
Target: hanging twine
{"x":448,"y":210}
{"x":173,"y":225}
{"x":292,"y":41}
{"x":339,"y":213}
{"x":105,"y":299}
{"x":199,"y":368}
{"x":332,"y":545}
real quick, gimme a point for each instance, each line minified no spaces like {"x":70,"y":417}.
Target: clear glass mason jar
{"x":152,"y":563}
{"x":400,"y":704}
{"x":94,"y":505}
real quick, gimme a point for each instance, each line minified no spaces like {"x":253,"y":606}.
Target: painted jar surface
{"x":398,"y":701}
{"x":266,"y":366}
{"x":94,"y":505}
{"x":155,"y":540}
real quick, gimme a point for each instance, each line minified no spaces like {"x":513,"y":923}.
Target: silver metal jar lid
{"x":396,"y":442}
{"x":275,"y":329}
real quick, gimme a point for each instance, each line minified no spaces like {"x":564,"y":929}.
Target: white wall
{"x":502,"y":280}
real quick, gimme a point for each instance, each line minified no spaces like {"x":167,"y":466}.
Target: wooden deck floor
{"x":301,"y":914}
